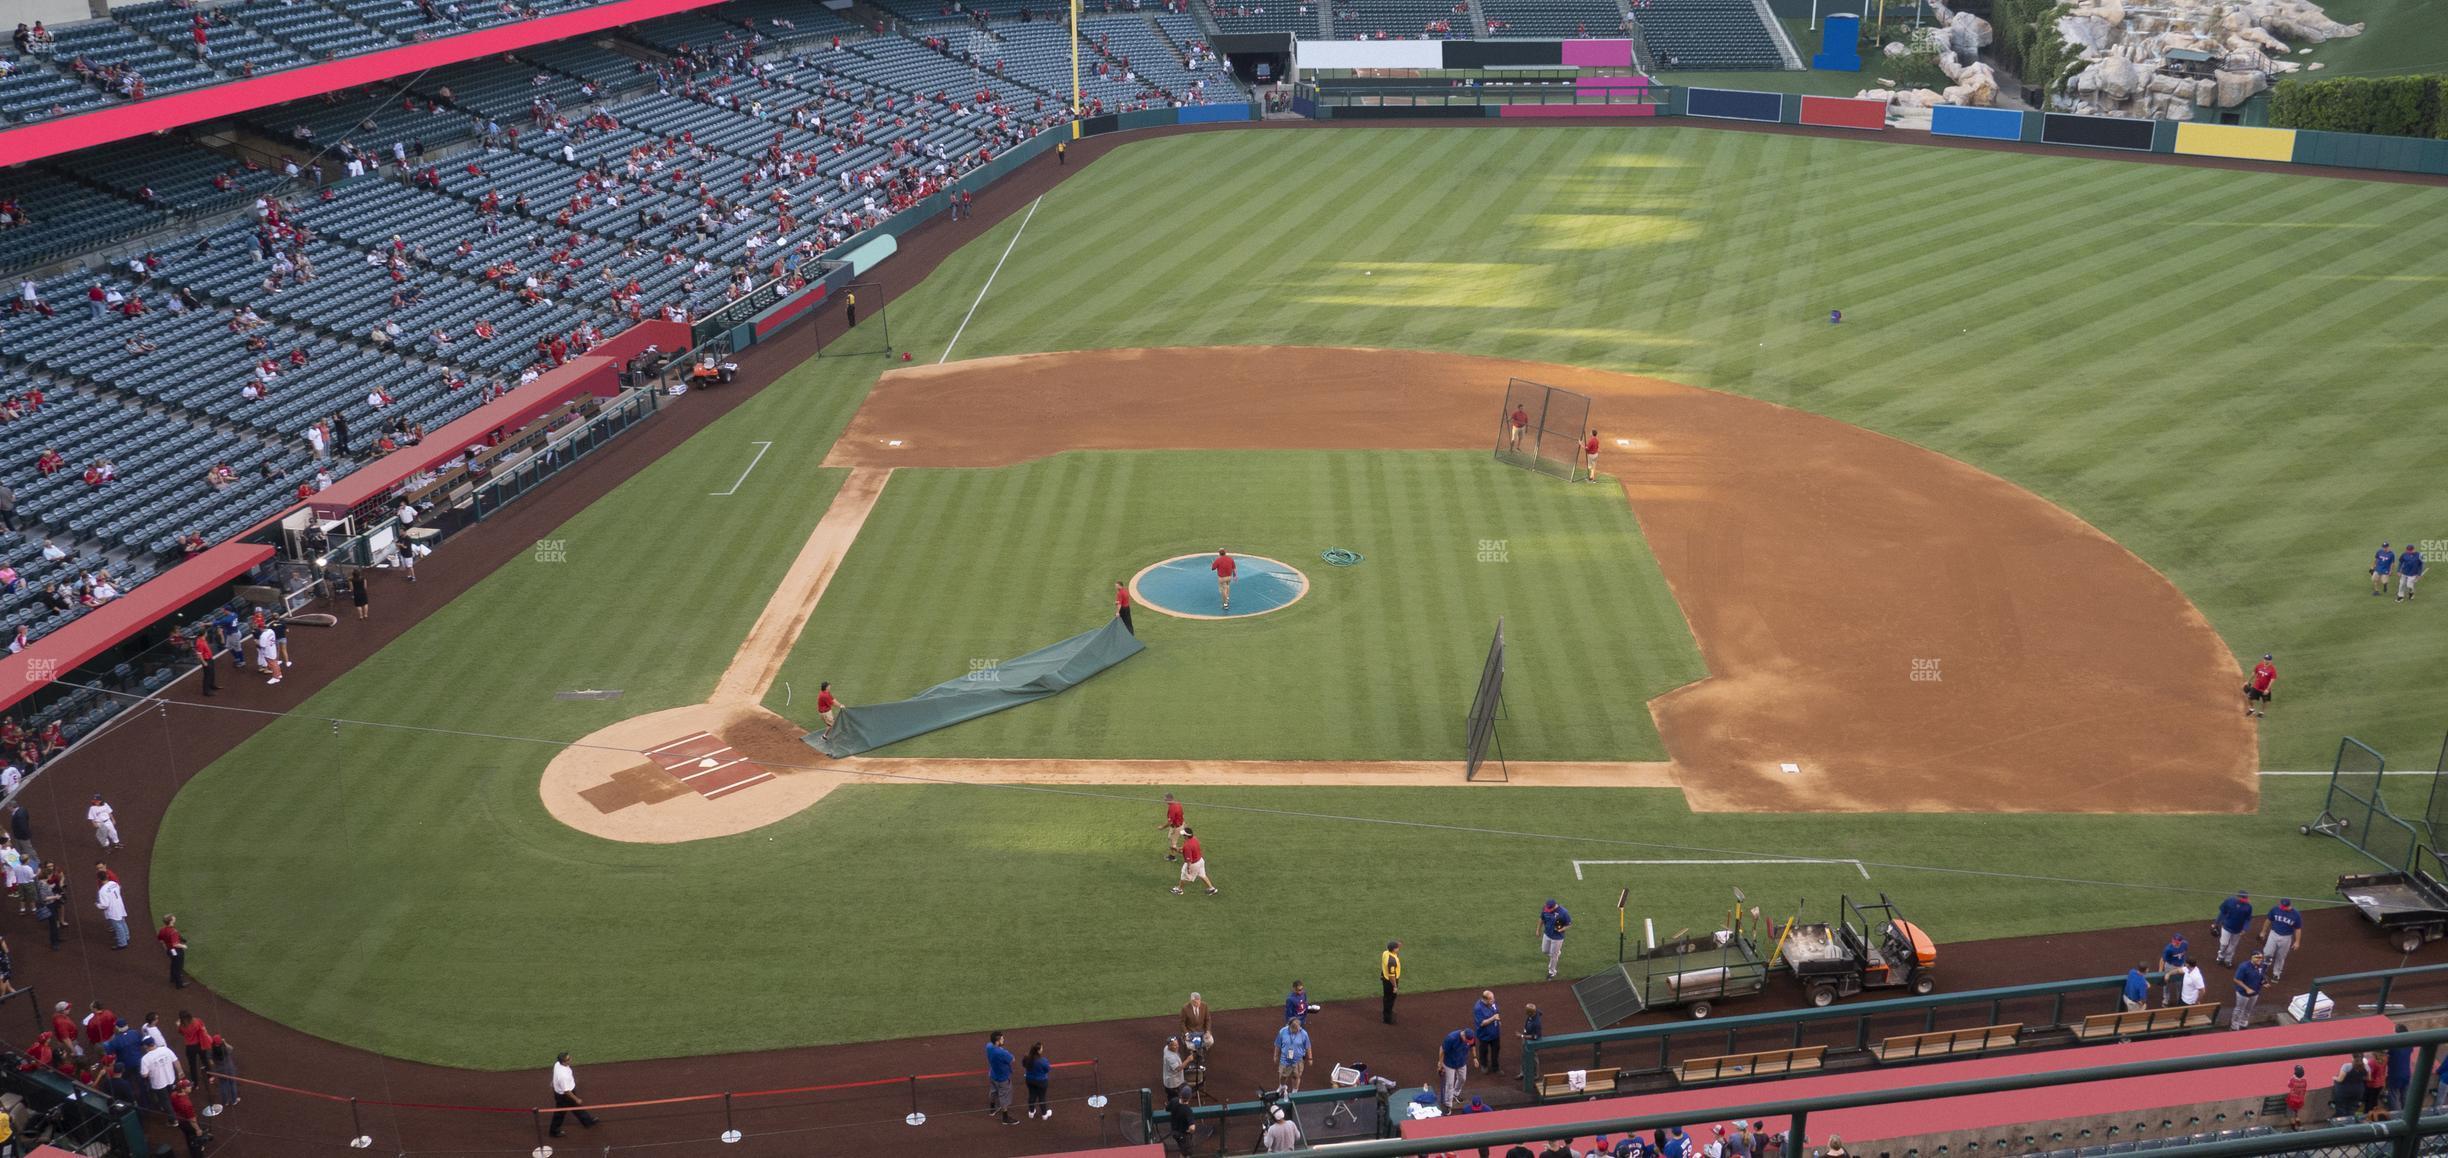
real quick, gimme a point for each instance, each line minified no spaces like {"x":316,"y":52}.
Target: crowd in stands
{"x":424,"y":249}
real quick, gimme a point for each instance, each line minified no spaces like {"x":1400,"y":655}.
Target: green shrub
{"x":2395,"y":106}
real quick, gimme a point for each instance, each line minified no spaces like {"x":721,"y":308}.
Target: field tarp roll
{"x":984,"y":690}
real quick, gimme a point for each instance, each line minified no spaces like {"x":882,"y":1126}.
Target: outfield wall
{"x":1629,"y":96}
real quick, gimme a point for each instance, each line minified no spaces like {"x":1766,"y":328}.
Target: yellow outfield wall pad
{"x":2236,"y":141}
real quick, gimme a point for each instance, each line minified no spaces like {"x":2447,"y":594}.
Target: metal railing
{"x":1994,"y":1004}
{"x":2389,"y":980}
{"x":2399,"y":1136}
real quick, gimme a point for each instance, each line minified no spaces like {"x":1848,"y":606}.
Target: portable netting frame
{"x":837,"y":338}
{"x":1550,"y":442}
{"x":2356,"y":810}
{"x":1487,"y":706}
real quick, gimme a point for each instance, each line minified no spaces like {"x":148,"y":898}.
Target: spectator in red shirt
{"x":197,"y":1038}
{"x":182,"y":1107}
{"x":64,"y":1030}
{"x":1589,"y":456}
{"x":50,"y":461}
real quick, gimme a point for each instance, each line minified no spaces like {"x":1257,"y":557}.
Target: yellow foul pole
{"x":1076,"y":103}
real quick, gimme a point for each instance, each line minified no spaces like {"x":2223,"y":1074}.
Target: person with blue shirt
{"x":2409,"y":572}
{"x":998,"y":1079}
{"x":2172,"y":962}
{"x":2137,"y":990}
{"x":1488,"y":1025}
{"x":2235,"y":915}
{"x":1038,"y":1071}
{"x":1554,"y":919}
{"x":127,"y":1046}
{"x":2400,"y":1073}
{"x":1453,"y":1065}
{"x":1297,"y":1006}
{"x":2282,"y":929}
{"x":2383,"y":562}
{"x":1678,"y":1144}
{"x":2248,"y":979}
{"x":1291,"y":1055}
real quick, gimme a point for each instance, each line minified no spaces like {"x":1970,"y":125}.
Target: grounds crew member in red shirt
{"x":174,"y":943}
{"x":1173,"y":829}
{"x":1122,"y":606}
{"x":1194,"y":863}
{"x":204,"y":657}
{"x":1224,"y":568}
{"x":827,"y":708}
{"x":1520,"y":422}
{"x":2264,"y":674}
{"x":1589,"y":453}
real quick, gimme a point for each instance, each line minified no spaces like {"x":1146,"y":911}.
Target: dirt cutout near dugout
{"x":1885,"y":628}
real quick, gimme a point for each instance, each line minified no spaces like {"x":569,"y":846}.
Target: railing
{"x":2389,"y":982}
{"x":560,"y":449}
{"x":1727,"y":1031}
{"x":2400,"y":1136}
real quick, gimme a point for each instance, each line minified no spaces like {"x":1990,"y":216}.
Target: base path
{"x":1907,"y":632}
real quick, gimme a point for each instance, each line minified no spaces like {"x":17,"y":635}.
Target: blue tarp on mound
{"x":1009,"y":684}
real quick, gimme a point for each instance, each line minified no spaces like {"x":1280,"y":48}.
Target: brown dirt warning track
{"x":1909,"y":632}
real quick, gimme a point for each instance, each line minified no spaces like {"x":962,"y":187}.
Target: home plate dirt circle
{"x":1885,"y":628}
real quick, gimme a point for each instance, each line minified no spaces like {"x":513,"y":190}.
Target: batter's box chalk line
{"x":1857,"y":865}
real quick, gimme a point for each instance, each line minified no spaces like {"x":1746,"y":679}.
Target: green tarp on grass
{"x":1008,"y":684}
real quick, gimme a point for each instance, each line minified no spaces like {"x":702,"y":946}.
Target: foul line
{"x":1857,"y":865}
{"x":981,"y":298}
{"x":762,"y":447}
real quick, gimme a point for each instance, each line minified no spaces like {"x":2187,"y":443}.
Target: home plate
{"x":710,"y":762}
{"x":1790,"y":769}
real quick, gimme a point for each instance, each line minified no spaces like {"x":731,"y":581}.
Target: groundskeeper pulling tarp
{"x":1009,"y":684}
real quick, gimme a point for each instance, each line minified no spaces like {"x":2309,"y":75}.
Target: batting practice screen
{"x":838,"y":338}
{"x":1541,"y":427}
{"x":1484,"y":704}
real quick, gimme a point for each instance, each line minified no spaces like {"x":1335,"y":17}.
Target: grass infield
{"x":2232,"y":373}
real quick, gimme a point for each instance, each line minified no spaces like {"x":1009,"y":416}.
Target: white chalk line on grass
{"x":990,"y":276}
{"x":762,"y":447}
{"x":1857,"y":865}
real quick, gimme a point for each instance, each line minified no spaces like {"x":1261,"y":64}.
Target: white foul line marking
{"x":762,"y":447}
{"x":1857,"y":865}
{"x":981,"y":298}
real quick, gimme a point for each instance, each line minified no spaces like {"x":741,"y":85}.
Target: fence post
{"x":541,"y":1146}
{"x":1797,"y":1135}
{"x":730,"y":1128}
{"x":358,"y":1137}
{"x":2425,"y":1057}
{"x":2385,"y":984}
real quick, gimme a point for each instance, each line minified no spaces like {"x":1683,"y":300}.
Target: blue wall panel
{"x":1736,"y":105}
{"x":1986,"y":124}
{"x":1202,"y":114}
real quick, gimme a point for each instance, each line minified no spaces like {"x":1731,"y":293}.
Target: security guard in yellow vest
{"x":1389,"y":971}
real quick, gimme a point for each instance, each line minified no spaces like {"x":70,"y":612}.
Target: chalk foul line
{"x":990,"y":276}
{"x":762,"y":447}
{"x":1857,"y":865}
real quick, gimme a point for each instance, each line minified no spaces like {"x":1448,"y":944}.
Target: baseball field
{"x":2092,"y":437}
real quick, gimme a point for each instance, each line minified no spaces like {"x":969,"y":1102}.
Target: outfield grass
{"x":2234,"y":374}
{"x":1376,"y":663}
{"x":2399,"y":36}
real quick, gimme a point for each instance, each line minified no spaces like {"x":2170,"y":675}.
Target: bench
{"x":1594,"y":1083}
{"x":1947,"y":1042}
{"x":1764,"y":1063}
{"x":2146,"y":1022}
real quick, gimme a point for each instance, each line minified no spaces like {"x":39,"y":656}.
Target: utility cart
{"x":1869,"y":946}
{"x":1688,"y":972}
{"x":2410,"y":907}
